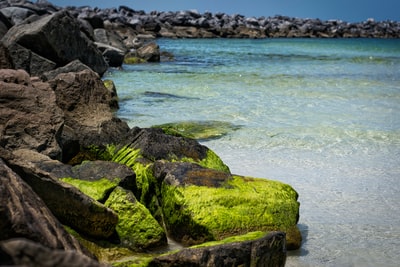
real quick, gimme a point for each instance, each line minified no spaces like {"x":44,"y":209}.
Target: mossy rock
{"x":133,"y":60}
{"x":98,"y":190}
{"x":136,"y":228}
{"x":199,"y":213}
{"x":200,"y":130}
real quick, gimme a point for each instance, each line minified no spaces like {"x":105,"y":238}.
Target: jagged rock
{"x":68,"y":204}
{"x":86,"y":103}
{"x":58,"y":38}
{"x":266,"y":251}
{"x":24,"y":214}
{"x":29,"y":117}
{"x":23,"y":252}
{"x":73,"y":66}
{"x":16,"y":14}
{"x":113,"y":55}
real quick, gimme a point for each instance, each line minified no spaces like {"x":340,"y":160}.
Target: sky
{"x":346,"y":10}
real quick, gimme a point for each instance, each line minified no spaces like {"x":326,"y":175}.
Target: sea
{"x":322,"y":115}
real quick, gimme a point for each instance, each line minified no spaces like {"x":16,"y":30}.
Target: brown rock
{"x":24,"y":214}
{"x":29,"y":116}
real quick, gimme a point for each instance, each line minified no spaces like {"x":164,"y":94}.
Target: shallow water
{"x":320,"y":114}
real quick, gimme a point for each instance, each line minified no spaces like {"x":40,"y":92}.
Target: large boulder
{"x":24,"y":214}
{"x":29,"y":117}
{"x":200,"y":204}
{"x":149,"y":52}
{"x":87,"y":105}
{"x":57,"y":37}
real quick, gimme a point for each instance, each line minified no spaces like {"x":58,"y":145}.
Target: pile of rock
{"x":78,"y":187}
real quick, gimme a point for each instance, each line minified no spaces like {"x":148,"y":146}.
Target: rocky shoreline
{"x":78,"y":187}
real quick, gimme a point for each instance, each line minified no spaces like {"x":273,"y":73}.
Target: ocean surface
{"x":322,"y":115}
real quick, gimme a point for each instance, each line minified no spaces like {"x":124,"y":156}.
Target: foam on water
{"x":321,"y":115}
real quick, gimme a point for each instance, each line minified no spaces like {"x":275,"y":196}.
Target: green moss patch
{"x":136,"y":227}
{"x":200,"y":130}
{"x":97,"y":190}
{"x":243,"y":205}
{"x":232,"y":239}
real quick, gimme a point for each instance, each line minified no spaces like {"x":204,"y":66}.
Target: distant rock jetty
{"x":192,"y":24}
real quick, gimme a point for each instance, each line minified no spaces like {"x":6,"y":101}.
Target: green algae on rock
{"x":200,"y":130}
{"x":98,"y":190}
{"x":242,"y":205}
{"x":136,"y":228}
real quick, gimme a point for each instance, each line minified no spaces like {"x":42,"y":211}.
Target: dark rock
{"x":73,"y":66}
{"x":58,"y":38}
{"x":113,"y":55}
{"x":31,"y":62}
{"x":96,"y":170}
{"x":269,"y":250}
{"x":24,"y":214}
{"x":29,"y":117}
{"x":185,"y":173}
{"x":155,"y":145}
{"x":68,"y":204}
{"x":87,"y":107}
{"x":23,"y":252}
{"x":5,"y":58}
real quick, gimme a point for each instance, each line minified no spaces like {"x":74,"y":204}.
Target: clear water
{"x":320,"y":114}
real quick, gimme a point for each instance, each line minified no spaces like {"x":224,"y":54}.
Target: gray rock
{"x":58,"y":38}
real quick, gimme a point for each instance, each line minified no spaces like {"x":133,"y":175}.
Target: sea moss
{"x":98,"y":190}
{"x":243,"y":205}
{"x":211,"y":161}
{"x":136,"y":227}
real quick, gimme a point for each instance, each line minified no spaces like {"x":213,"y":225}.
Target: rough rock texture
{"x":5,"y":59}
{"x":149,"y":52}
{"x":24,"y":214}
{"x":73,"y":66}
{"x":56,"y":37}
{"x":24,"y":252}
{"x":66,"y":202}
{"x":29,"y":117}
{"x":86,"y":103}
{"x":269,"y":250}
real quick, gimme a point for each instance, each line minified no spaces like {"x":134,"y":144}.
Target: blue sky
{"x":347,"y":10}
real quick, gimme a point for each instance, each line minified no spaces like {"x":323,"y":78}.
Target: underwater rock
{"x":200,"y":130}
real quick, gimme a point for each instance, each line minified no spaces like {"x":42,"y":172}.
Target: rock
{"x":5,"y":58}
{"x":109,"y":84}
{"x":29,"y":117}
{"x":201,"y":204}
{"x":268,"y":250}
{"x":88,"y":114}
{"x":113,"y":55}
{"x":23,"y":58}
{"x":136,"y":228}
{"x":16,"y":14}
{"x":24,"y":214}
{"x":149,"y":52}
{"x":67,"y":203}
{"x":73,"y":66}
{"x":23,"y":252}
{"x":200,"y":130}
{"x":58,"y":38}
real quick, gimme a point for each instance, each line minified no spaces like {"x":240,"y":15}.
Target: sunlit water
{"x":321,"y":115}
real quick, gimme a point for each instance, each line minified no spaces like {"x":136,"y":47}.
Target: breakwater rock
{"x":80,"y":187}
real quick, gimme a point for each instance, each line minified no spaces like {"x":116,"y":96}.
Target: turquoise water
{"x":320,"y":114}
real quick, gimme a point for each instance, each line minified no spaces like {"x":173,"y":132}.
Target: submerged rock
{"x":200,"y":130}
